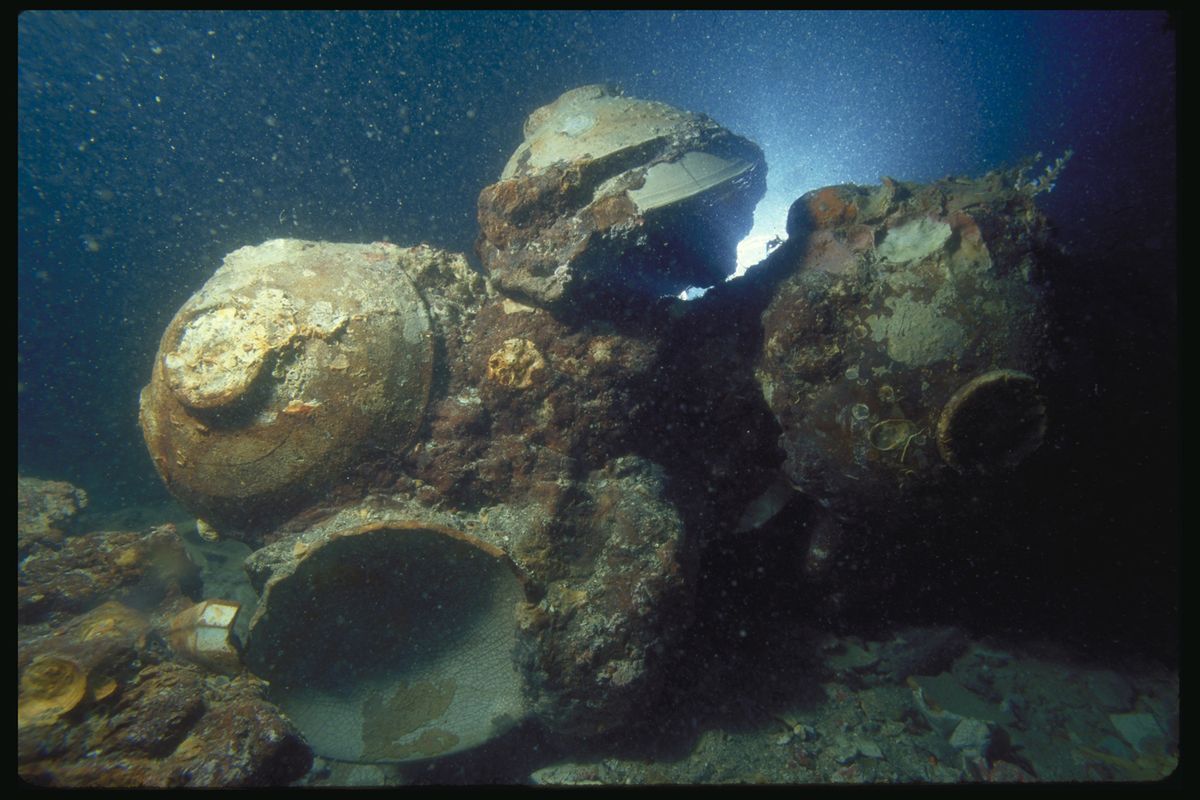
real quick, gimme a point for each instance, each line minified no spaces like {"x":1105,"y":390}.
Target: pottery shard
{"x":609,"y":194}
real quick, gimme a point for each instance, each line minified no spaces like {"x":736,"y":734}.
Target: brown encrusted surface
{"x":45,"y":510}
{"x":595,"y":640}
{"x":493,"y":437}
{"x":53,"y":582}
{"x":173,"y":726}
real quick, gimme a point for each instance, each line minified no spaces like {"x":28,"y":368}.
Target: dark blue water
{"x":150,"y":145}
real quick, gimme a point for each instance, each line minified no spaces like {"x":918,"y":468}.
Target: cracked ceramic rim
{"x":393,"y":641}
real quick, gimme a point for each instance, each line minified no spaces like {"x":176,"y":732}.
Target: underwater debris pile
{"x":480,"y":499}
{"x":102,"y":700}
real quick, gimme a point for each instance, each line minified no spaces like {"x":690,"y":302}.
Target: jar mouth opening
{"x":994,"y":421}
{"x":392,"y":643}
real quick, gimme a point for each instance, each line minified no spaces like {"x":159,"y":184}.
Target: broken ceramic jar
{"x":610,"y":196}
{"x":393,"y":632}
{"x":389,"y":641}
